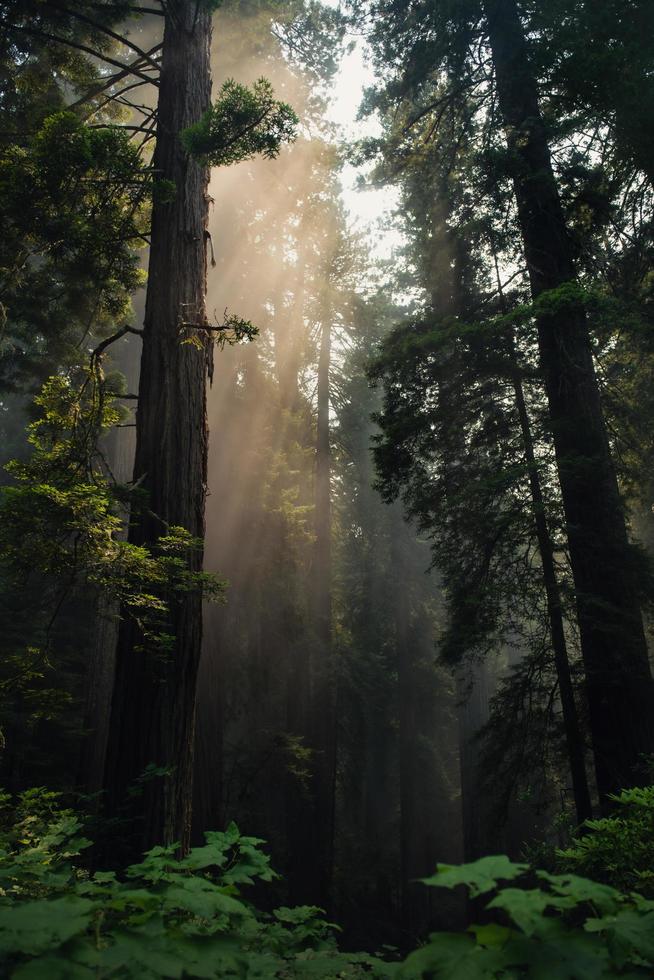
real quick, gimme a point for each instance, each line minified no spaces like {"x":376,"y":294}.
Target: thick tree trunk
{"x":153,"y":709}
{"x":618,"y":678}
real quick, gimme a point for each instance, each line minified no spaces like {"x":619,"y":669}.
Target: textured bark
{"x":153,"y":709}
{"x":618,"y":678}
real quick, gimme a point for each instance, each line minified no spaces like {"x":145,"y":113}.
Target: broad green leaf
{"x":203,"y":898}
{"x":453,"y":957}
{"x":629,"y":936}
{"x":527,"y":907}
{"x":582,"y":890}
{"x":479,"y":876}
{"x":34,"y":927}
{"x":53,"y":968}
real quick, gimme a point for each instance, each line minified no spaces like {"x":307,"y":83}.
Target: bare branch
{"x":102,"y":346}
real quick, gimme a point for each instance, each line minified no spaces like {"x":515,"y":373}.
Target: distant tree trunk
{"x":289,"y":330}
{"x":618,"y":678}
{"x":573,"y":736}
{"x":323,"y":513}
{"x":574,"y":740}
{"x":153,"y":709}
{"x":321,"y":716}
{"x":474,"y":691}
{"x":419,"y":810}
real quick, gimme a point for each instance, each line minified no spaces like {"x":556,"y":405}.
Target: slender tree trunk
{"x":574,"y":741}
{"x":421,"y":818}
{"x":289,"y":331}
{"x":618,"y":678}
{"x":323,"y":519}
{"x":474,"y":691}
{"x":323,"y":719}
{"x":153,"y":709}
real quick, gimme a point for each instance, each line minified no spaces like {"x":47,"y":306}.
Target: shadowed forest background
{"x":326,"y":531}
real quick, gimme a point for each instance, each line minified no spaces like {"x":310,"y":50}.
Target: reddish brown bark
{"x":153,"y":709}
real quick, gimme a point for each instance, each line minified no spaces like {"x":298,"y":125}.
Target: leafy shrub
{"x":164,"y":917}
{"x":619,"y":849}
{"x":174,"y":918}
{"x":547,"y":927}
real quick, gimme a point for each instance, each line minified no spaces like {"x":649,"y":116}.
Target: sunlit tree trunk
{"x":323,"y":693}
{"x":153,"y":709}
{"x":618,"y":678}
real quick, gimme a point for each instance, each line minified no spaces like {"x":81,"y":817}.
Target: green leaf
{"x":479,"y":876}
{"x":629,"y":936}
{"x":53,"y":968}
{"x":582,"y":890}
{"x":203,"y":898}
{"x":491,"y":934}
{"x":527,"y":907}
{"x":452,"y":956}
{"x":34,"y":927}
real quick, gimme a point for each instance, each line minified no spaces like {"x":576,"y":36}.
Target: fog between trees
{"x":427,"y":479}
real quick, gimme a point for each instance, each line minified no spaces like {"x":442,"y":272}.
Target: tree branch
{"x":102,"y":346}
{"x":105,"y":30}
{"x":127,"y":69}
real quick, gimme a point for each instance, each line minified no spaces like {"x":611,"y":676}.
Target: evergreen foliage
{"x":242,"y":123}
{"x":74,"y":209}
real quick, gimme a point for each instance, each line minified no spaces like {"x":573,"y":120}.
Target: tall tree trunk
{"x":574,"y":740}
{"x":323,"y":719}
{"x":323,"y":519}
{"x":474,"y":691}
{"x":422,"y":808}
{"x":618,"y":678}
{"x":312,"y":705}
{"x":153,"y":708}
{"x":573,"y":736}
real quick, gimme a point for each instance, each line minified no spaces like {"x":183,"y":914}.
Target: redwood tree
{"x":618,"y":678}
{"x":153,"y":709}
{"x":151,"y":732}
